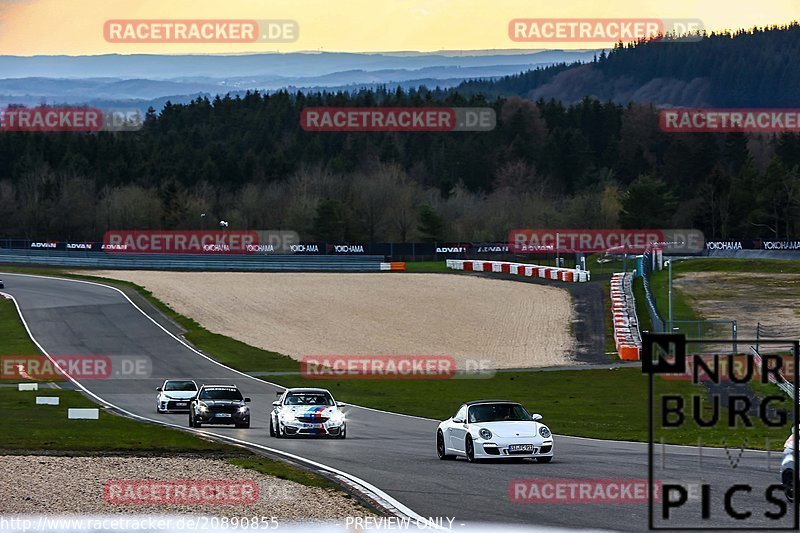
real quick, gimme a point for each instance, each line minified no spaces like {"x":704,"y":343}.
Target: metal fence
{"x":255,"y":262}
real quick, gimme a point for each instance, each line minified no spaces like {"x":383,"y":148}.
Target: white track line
{"x":367,"y":487}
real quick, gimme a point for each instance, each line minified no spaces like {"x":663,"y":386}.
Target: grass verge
{"x":46,"y":427}
{"x":15,"y":340}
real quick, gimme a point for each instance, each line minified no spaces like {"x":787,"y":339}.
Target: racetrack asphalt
{"x":395,"y":453}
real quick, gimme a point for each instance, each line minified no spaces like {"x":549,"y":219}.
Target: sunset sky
{"x":75,"y":27}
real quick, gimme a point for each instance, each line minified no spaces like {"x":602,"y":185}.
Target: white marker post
{"x":47,"y":400}
{"x":83,"y":414}
{"x":28,"y":386}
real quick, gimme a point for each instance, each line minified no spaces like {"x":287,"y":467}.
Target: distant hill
{"x":150,"y":80}
{"x":757,"y":68}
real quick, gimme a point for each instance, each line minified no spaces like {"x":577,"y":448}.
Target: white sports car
{"x":175,"y":395}
{"x":494,"y":429}
{"x":787,"y":468}
{"x":307,"y":412}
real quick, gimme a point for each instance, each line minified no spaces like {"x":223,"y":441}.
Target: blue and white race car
{"x":310,"y":412}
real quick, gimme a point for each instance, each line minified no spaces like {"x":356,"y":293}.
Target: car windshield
{"x":182,"y":386}
{"x":220,"y":394}
{"x":305,"y":398}
{"x":497,"y":412}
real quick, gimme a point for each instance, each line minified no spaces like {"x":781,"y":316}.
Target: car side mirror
{"x":246,"y":400}
{"x":276,"y":404}
{"x":340,"y":404}
{"x":278,"y":393}
{"x":458,"y":421}
{"x":536,"y":417}
{"x":158,"y":389}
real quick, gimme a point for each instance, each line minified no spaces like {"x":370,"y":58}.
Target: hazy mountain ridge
{"x":145,"y":80}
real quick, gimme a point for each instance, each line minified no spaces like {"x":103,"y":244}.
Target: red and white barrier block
{"x":520,"y":269}
{"x":394,"y":266}
{"x":627,"y":337}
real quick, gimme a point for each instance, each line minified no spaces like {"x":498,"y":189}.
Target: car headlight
{"x":202,"y":407}
{"x":485,"y":434}
{"x":244,"y":409}
{"x":287,"y":417}
{"x":544,"y":432}
{"x":336,"y":418}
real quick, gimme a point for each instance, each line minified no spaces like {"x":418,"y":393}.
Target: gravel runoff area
{"x":75,"y":485}
{"x":749,"y":298}
{"x":504,"y":323}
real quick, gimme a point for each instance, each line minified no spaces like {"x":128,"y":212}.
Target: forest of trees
{"x":746,"y":68}
{"x":246,"y":160}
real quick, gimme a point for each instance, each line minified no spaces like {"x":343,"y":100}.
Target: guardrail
{"x":521,"y":269}
{"x":647,"y":270}
{"x":220,"y":262}
{"x":627,"y":336}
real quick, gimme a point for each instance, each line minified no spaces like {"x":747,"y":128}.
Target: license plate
{"x":223,"y":415}
{"x":181,"y":404}
{"x":521,"y":448}
{"x":310,"y":425}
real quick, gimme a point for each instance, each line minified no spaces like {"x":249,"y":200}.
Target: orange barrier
{"x":629,"y":353}
{"x":623,"y":310}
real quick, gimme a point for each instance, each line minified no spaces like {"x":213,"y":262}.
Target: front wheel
{"x":271,"y":428}
{"x":191,"y":420}
{"x":343,"y":432}
{"x":441,"y":450}
{"x":245,"y":425}
{"x":788,"y":481}
{"x":469,"y":448}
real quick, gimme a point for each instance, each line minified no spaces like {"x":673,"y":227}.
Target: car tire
{"x":788,"y":480}
{"x":191,"y":420}
{"x":544,"y":459}
{"x":342,"y":432}
{"x":271,"y":428}
{"x":278,"y":433}
{"x":469,"y":449}
{"x":246,"y":425}
{"x":440,"y":447}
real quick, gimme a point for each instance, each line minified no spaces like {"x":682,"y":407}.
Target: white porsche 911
{"x":310,"y":412}
{"x":494,"y":429}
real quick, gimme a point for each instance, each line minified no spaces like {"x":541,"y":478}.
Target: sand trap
{"x":511,"y":324}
